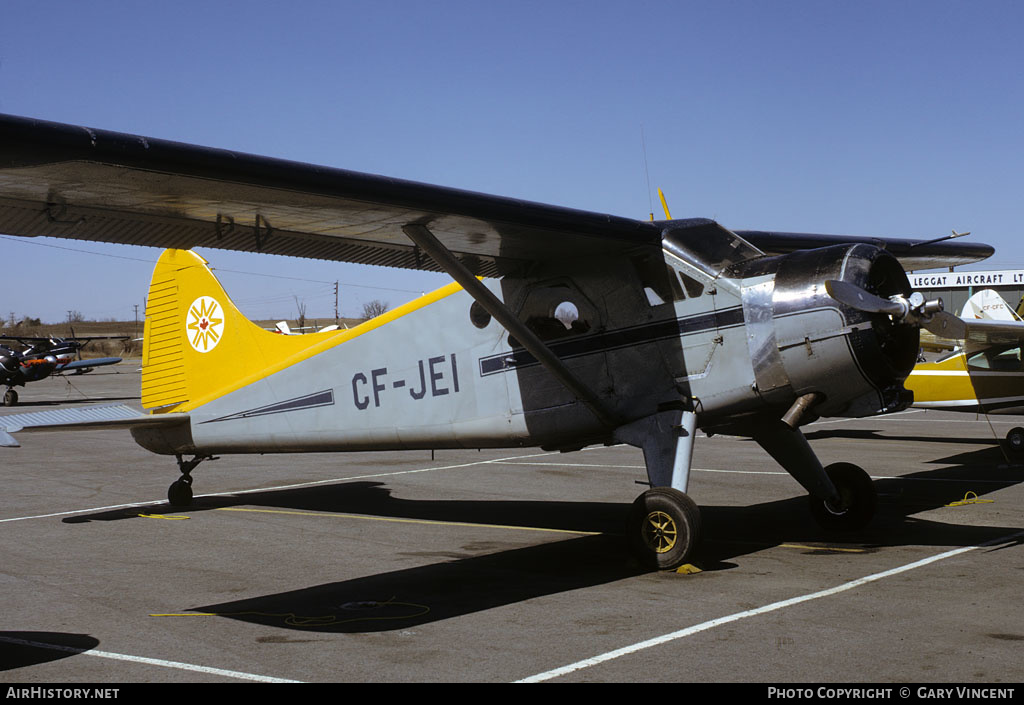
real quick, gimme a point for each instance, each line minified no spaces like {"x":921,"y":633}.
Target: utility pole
{"x":336,"y":319}
{"x":136,"y":320}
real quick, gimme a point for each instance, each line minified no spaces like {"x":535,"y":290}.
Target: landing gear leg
{"x":179,"y":494}
{"x":664,"y":523}
{"x":842,"y":495}
{"x":10,"y":397}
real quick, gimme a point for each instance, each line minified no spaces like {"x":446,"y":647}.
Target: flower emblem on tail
{"x":204,"y":324}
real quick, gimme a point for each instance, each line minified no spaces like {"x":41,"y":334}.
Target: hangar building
{"x":954,"y":288}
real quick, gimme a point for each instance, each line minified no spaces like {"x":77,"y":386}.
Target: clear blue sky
{"x":901,"y":119}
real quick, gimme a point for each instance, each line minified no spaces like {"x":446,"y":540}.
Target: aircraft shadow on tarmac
{"x":480,"y":576}
{"x":18,"y":650}
{"x":887,"y":435}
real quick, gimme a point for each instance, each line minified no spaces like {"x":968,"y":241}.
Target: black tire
{"x":10,"y":398}
{"x":857,"y":499}
{"x":1015,"y":439}
{"x":664,"y":528}
{"x":179,"y":494}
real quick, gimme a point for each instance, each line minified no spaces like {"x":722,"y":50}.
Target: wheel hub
{"x":660,"y":532}
{"x":842,"y":506}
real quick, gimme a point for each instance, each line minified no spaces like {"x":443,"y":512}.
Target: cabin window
{"x":567,"y":314}
{"x":1001,"y":359}
{"x":652,"y":297}
{"x":479,"y":316}
{"x":562,"y":321}
{"x":709,"y":247}
{"x":556,"y":311}
{"x":693,"y":287}
{"x":658,"y":280}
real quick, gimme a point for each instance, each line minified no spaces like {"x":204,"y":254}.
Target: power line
{"x":217,"y":269}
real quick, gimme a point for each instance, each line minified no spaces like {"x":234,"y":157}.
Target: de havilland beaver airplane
{"x":563,"y":328}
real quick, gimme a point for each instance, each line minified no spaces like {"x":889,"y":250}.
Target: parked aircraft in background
{"x":988,"y":305}
{"x":984,"y":373}
{"x":563,"y":328}
{"x":41,"y":357}
{"x":283,"y":328}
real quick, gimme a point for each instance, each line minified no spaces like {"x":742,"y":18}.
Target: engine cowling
{"x":803,"y":341}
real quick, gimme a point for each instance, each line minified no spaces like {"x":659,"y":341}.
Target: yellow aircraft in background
{"x":984,"y":373}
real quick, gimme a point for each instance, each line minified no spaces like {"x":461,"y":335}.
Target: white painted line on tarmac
{"x":877,"y":417}
{"x":889,"y":418}
{"x":705,"y":626}
{"x":148,"y":661}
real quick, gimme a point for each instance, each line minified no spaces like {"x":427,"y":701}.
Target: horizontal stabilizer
{"x":87,"y":417}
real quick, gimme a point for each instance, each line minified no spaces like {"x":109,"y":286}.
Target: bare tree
{"x":301,"y":306}
{"x":372,"y":309}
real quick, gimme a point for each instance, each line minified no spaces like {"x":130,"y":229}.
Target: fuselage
{"x":731,"y":341}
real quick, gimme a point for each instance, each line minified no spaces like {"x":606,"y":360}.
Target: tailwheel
{"x":1015,"y":439}
{"x":10,"y":398}
{"x":664,"y":528}
{"x":857,"y":499}
{"x":179,"y":494}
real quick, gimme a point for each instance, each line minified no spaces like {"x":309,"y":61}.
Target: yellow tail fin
{"x":197,"y":345}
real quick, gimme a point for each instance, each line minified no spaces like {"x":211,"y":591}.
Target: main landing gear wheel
{"x":1015,"y":440}
{"x":857,"y":499}
{"x":664,"y":528}
{"x":179,"y":494}
{"x":10,"y":398}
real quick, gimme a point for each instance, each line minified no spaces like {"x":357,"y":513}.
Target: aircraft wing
{"x":81,"y":418}
{"x":74,"y":182}
{"x":985,"y":332}
{"x":912,"y":254}
{"x":980,"y":334}
{"x":88,"y":364}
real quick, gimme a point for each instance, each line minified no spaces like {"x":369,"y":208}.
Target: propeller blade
{"x":855,"y":297}
{"x":939,"y":323}
{"x":946,"y":325}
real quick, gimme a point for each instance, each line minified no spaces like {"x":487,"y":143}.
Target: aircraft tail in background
{"x":988,"y":305}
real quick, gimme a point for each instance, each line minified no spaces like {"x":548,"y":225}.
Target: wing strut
{"x":447,"y":261}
